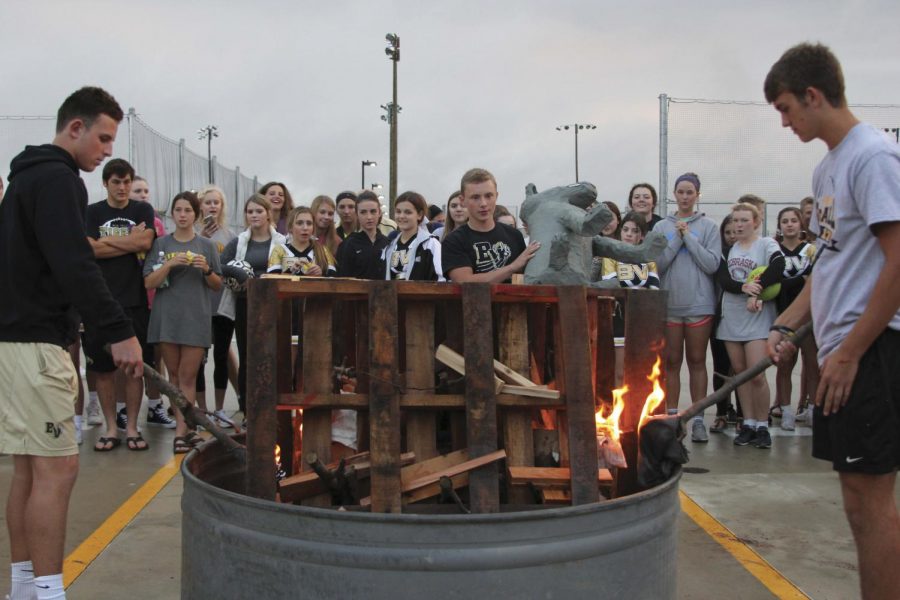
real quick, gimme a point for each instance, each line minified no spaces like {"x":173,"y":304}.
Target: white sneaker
{"x":79,"y":436}
{"x":94,"y":417}
{"x":804,"y":415}
{"x":222,"y":420}
{"x":788,"y":418}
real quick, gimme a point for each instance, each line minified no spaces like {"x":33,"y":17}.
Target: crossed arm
{"x":140,"y":239}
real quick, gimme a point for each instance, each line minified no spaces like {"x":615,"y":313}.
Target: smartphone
{"x":209,"y":220}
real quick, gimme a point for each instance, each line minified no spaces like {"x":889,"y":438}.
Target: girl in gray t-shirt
{"x":184,"y":268}
{"x":745,"y":322}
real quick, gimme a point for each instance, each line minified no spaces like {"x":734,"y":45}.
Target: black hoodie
{"x":47,"y":267}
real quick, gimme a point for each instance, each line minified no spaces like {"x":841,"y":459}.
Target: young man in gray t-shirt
{"x":854,"y":302}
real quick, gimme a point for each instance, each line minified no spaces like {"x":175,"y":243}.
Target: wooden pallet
{"x":388,"y":331}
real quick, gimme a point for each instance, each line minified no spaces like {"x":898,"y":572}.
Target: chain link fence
{"x":741,"y":148}
{"x":169,"y":166}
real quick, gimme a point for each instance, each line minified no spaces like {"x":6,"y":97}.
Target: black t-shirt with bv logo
{"x":123,"y":274}
{"x":482,"y":251}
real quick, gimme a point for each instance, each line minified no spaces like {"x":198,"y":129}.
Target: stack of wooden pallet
{"x":469,"y":397}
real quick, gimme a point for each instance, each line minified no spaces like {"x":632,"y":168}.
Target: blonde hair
{"x":324,"y":258}
{"x":329,"y":238}
{"x":747,"y":207}
{"x":223,"y":210}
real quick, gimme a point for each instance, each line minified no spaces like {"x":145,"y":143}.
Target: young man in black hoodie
{"x":52,"y":279}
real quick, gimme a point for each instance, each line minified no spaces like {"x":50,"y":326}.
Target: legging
{"x":222,"y":330}
{"x":721,"y":364}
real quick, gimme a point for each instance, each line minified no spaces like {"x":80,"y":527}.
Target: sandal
{"x":719,"y":425}
{"x":137,"y":443}
{"x":101,"y":445}
{"x":193,"y":439}
{"x":180,"y":445}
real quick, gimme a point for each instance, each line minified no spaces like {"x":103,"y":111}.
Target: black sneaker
{"x":730,"y":415}
{"x":746,"y":436}
{"x":763,"y":439}
{"x":121,"y":420}
{"x":157,"y":415}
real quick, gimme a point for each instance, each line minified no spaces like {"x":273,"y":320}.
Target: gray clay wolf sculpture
{"x":568,"y":231}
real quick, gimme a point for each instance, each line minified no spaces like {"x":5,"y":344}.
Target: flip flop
{"x":134,"y":443}
{"x":193,"y":439}
{"x":180,"y":445}
{"x":113,"y":442}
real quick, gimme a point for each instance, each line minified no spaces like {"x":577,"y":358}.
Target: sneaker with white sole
{"x":222,"y":420}
{"x":804,"y":415}
{"x":159,"y":417}
{"x":788,"y":418}
{"x":763,"y":438}
{"x":746,"y":436}
{"x":698,"y":432}
{"x":121,"y":420}
{"x":94,"y":416}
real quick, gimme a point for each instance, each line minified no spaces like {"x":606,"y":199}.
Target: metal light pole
{"x":576,"y":127}
{"x":208,"y":133}
{"x":393,"y":53}
{"x":366,"y":163}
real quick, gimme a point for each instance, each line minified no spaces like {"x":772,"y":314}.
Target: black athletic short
{"x":864,"y":436}
{"x":100,"y":361}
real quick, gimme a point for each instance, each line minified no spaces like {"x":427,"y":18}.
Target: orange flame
{"x":608,"y":424}
{"x":277,"y":454}
{"x":654,"y":398}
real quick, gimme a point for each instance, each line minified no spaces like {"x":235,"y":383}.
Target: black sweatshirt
{"x":48,"y":274}
{"x":360,"y":257}
{"x":769,"y":277}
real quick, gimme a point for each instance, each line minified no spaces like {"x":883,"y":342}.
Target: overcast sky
{"x":295,"y":86}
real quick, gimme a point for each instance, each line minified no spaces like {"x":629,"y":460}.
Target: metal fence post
{"x":663,"y":202}
{"x":131,"y":114}
{"x":181,"y":164}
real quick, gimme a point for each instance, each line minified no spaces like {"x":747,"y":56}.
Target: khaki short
{"x":38,"y":389}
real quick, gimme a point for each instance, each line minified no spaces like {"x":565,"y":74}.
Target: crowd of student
{"x":185,"y":291}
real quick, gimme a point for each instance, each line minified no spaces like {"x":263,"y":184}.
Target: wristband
{"x":783,"y":330}
{"x":208,"y":272}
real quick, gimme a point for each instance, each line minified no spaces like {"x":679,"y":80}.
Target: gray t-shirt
{"x":220,"y":238}
{"x":739,"y":324}
{"x":856,"y":186}
{"x":182,"y":311}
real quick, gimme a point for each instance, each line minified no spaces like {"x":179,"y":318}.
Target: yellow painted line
{"x":768,"y":575}
{"x":90,"y":548}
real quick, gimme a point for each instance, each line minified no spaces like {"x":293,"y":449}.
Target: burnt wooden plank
{"x":481,"y":404}
{"x":453,"y":322}
{"x":645,"y":326}
{"x":421,"y":425}
{"x":285,"y":377}
{"x":579,"y":393}
{"x":559,"y":369}
{"x":317,"y":378}
{"x":384,"y":398}
{"x":262,"y":389}
{"x":604,"y":348}
{"x":512,"y":344}
{"x":361,"y":335}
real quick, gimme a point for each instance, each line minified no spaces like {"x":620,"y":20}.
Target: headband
{"x":690,"y":177}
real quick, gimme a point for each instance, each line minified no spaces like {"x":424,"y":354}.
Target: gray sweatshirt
{"x":688,"y":265}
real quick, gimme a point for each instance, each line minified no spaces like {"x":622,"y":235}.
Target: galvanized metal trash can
{"x":234,"y":546}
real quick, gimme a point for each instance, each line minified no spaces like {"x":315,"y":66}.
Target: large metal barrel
{"x":234,"y":546}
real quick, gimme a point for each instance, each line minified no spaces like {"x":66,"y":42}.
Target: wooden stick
{"x":307,"y":483}
{"x":550,"y":476}
{"x":457,"y":362}
{"x":532,"y":391}
{"x":432,"y":478}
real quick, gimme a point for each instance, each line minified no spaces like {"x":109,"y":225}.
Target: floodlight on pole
{"x":393,"y":109}
{"x":208,"y":133}
{"x":576,"y":127}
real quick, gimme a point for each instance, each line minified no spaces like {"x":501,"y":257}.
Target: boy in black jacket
{"x":48,"y":272}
